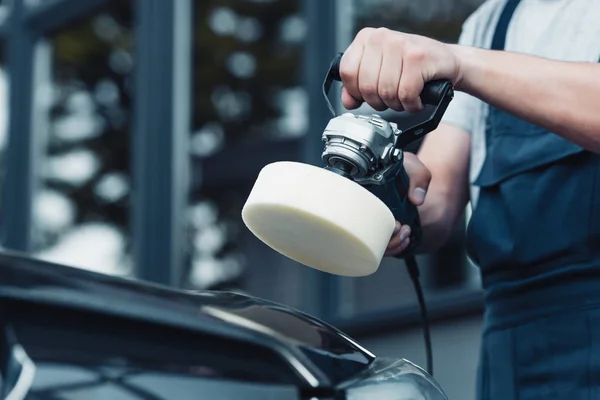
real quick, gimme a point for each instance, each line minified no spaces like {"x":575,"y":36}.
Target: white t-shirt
{"x":567,"y":30}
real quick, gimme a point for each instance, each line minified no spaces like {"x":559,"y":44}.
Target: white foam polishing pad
{"x":318,"y":218}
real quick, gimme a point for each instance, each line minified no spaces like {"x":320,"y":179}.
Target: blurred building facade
{"x":131,"y":132}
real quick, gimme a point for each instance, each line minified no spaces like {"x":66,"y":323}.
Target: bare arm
{"x":388,"y":69}
{"x":562,"y":97}
{"x":445,"y":152}
{"x":440,"y":173}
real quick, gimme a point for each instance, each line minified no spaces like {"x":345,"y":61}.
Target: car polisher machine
{"x":324,"y":218}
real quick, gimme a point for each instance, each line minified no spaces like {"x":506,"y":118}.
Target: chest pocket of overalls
{"x":538,"y":201}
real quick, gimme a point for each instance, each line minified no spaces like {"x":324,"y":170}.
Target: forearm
{"x":560,"y":96}
{"x":445,"y":152}
{"x":439,"y":215}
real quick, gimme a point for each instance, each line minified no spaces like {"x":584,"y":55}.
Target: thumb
{"x":419,"y":177}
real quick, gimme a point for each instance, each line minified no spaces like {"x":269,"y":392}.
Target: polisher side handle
{"x":432,"y":94}
{"x":394,"y":193}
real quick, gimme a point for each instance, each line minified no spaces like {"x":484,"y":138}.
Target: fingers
{"x":388,"y":69}
{"x":369,"y":71}
{"x":400,"y":237}
{"x":419,"y":177}
{"x":360,"y":69}
{"x":410,"y":87}
{"x":397,"y":227}
{"x":350,"y":67}
{"x":349,"y":102}
{"x":399,"y":241}
{"x":389,"y":80}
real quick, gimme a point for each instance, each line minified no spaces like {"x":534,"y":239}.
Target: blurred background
{"x":131,"y":132}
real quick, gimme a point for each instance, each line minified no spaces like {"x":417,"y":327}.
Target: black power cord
{"x":413,"y":271}
{"x":438,"y":93}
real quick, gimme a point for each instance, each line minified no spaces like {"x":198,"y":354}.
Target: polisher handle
{"x":394,"y":193}
{"x":407,"y":214}
{"x":432,"y":94}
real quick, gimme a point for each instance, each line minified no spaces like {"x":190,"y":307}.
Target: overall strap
{"x":510,"y":232}
{"x":499,"y":39}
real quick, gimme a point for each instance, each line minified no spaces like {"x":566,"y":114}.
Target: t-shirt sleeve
{"x":464,"y":110}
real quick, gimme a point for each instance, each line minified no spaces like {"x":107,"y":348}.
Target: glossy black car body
{"x":91,"y":336}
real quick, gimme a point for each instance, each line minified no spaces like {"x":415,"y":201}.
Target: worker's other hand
{"x":419,"y":177}
{"x":388,"y":69}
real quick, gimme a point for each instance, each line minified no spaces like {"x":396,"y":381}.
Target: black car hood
{"x":322,"y":354}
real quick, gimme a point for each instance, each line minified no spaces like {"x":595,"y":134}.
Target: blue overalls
{"x":535,"y":234}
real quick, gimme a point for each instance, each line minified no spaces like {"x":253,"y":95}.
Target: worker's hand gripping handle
{"x":394,"y":190}
{"x":432,"y":94}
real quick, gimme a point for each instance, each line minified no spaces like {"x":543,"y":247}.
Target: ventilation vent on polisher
{"x":378,"y":122}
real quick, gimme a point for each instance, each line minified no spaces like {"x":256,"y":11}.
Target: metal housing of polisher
{"x":361,"y":147}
